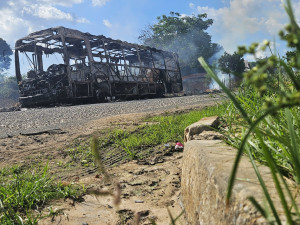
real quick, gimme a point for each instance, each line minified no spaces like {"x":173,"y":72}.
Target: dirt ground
{"x":145,"y":190}
{"x":45,"y":146}
{"x":148,"y":188}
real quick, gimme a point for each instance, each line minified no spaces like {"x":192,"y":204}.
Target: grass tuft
{"x":24,"y":190}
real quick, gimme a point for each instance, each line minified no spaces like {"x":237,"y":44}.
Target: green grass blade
{"x":179,"y":215}
{"x":294,"y":144}
{"x":292,"y":198}
{"x":225,"y":89}
{"x":290,"y":73}
{"x":258,"y":206}
{"x":274,"y":170}
{"x":241,"y":148}
{"x":264,"y":188}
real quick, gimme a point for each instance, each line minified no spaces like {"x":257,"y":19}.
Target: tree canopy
{"x":291,"y":57}
{"x":231,"y":64}
{"x":5,"y":52}
{"x":8,"y":85}
{"x":185,"y":35}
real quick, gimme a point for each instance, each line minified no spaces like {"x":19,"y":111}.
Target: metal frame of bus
{"x":94,"y":67}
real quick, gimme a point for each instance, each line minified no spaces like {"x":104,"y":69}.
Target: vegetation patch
{"x":267,"y":110}
{"x":25,"y":192}
{"x":136,"y":142}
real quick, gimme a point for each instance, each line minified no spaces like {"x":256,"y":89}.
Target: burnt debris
{"x":91,"y":67}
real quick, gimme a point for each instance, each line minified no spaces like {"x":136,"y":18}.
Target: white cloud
{"x":107,"y":23}
{"x":60,"y":2}
{"x":82,"y":20}
{"x":48,"y":13}
{"x":99,"y":2}
{"x":273,"y":25}
{"x":242,"y":19}
{"x":12,"y":26}
{"x":211,"y":12}
{"x":20,"y":17}
{"x":191,"y":5}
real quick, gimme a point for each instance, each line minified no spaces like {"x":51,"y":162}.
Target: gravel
{"x":29,"y":121}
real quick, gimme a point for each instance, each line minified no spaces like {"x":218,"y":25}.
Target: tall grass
{"x":274,"y":129}
{"x":268,"y":115}
{"x":24,"y":192}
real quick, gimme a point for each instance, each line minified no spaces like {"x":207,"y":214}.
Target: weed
{"x":23,"y":191}
{"x":81,"y":153}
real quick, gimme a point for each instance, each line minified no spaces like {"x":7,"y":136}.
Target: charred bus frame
{"x":94,"y":67}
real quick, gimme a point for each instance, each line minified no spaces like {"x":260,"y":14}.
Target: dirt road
{"x":31,"y":121}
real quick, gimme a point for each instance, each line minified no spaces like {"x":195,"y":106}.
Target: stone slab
{"x":195,"y":129}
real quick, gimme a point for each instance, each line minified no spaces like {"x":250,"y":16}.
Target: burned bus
{"x":66,"y":65}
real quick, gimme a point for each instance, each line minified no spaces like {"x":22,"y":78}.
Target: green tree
{"x":9,"y":88}
{"x":5,"y":53}
{"x":9,"y":93}
{"x":291,"y":57}
{"x":292,"y":60}
{"x":8,"y":85}
{"x":231,"y":64}
{"x":185,"y":35}
{"x":2,"y":77}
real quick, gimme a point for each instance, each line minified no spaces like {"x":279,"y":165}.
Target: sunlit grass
{"x":23,"y":192}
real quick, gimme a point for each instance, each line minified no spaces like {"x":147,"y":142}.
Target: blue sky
{"x":236,"y":22}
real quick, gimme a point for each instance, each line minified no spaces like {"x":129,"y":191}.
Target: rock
{"x":205,"y":124}
{"x":208,"y":135}
{"x":144,"y":213}
{"x":136,"y":182}
{"x":126,"y":216}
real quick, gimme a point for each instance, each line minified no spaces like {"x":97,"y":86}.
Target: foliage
{"x":5,"y":52}
{"x":275,"y":126}
{"x":231,"y":64}
{"x":290,"y":56}
{"x":8,"y":85}
{"x":23,"y":191}
{"x":9,"y":88}
{"x":9,"y":92}
{"x":81,"y":153}
{"x":269,"y":116}
{"x":185,"y":35}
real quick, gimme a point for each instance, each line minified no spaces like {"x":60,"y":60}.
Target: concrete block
{"x":206,"y":168}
